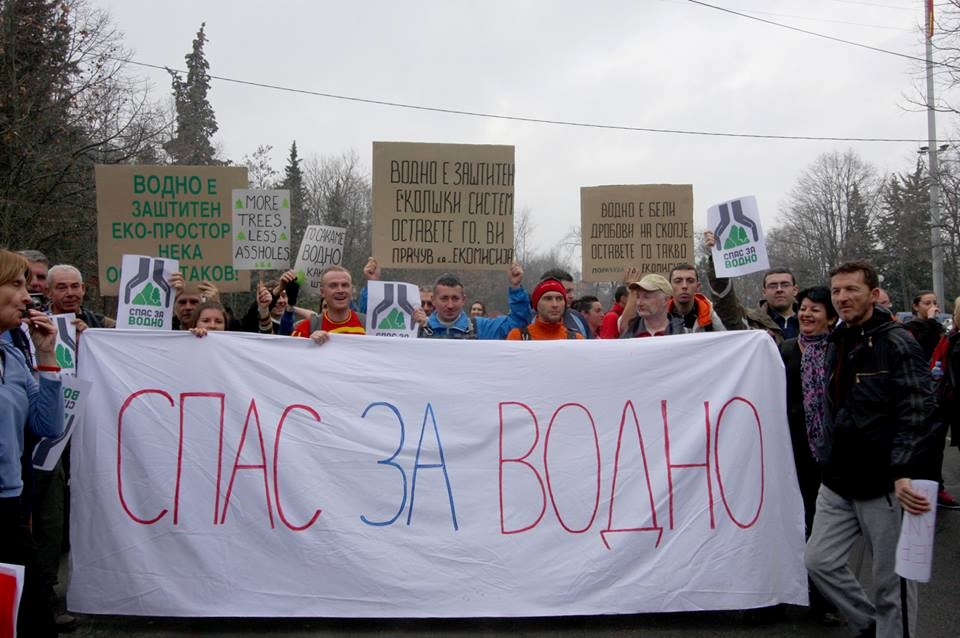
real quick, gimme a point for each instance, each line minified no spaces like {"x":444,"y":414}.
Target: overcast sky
{"x":642,"y":63}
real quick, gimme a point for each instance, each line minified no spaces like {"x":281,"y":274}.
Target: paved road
{"x":939,"y":613}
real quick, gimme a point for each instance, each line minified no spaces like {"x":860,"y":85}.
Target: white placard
{"x":11,"y":586}
{"x":740,"y":247}
{"x":66,"y":349}
{"x":47,"y":451}
{"x":384,"y":477}
{"x":915,"y":545}
{"x":322,"y":246}
{"x":261,"y":229}
{"x":146,"y":296}
{"x":390,"y":308}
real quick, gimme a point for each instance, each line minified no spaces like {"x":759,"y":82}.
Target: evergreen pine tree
{"x":293,"y":182}
{"x":904,"y":234}
{"x":196,"y":122}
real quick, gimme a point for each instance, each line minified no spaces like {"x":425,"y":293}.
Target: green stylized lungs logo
{"x":737,"y":237}
{"x":64,"y":358}
{"x":393,"y":321}
{"x":149,"y":296}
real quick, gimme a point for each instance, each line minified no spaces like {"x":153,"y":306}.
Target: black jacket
{"x":882,"y":420}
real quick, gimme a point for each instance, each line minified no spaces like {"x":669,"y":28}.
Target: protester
{"x":39,"y":267}
{"x":738,"y":317}
{"x":477,"y":309}
{"x":426,"y":298}
{"x":924,"y":325}
{"x":645,"y":314}
{"x":185,"y":302}
{"x":805,"y":360}
{"x":591,"y":311}
{"x":881,"y":432}
{"x":571,"y":319}
{"x":67,"y":294}
{"x":210,"y":315}
{"x":25,"y":403}
{"x":608,"y":329}
{"x":549,"y":299}
{"x":947,"y":354}
{"x":687,"y":302}
{"x":884,"y":301}
{"x":448,"y":320}
{"x":272,"y":311}
{"x":336,"y":287}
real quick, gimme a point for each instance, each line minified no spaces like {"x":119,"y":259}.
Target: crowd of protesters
{"x":868,"y":399}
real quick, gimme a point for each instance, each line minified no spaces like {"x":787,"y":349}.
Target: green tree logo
{"x":64,"y":358}
{"x":737,"y":237}
{"x":238,"y":204}
{"x":393,"y":321}
{"x":241,"y":236}
{"x":149,"y":296}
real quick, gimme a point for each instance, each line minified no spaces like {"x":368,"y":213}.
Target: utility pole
{"x":936,"y":256}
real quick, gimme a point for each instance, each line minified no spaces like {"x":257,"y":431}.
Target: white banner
{"x":740,"y":248}
{"x":240,"y":475}
{"x":390,"y":308}
{"x":146,"y":296}
{"x":261,"y":229}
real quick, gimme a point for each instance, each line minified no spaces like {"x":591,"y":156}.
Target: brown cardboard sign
{"x":443,"y":206}
{"x":176,"y":212}
{"x":648,"y":226}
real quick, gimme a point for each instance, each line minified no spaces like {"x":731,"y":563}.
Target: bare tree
{"x":829,"y":217}
{"x":337,"y":193}
{"x":66,"y":102}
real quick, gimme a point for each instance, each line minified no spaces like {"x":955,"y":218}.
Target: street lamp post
{"x":936,"y":249}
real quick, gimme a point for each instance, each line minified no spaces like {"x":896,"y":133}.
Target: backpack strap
{"x":315,"y":322}
{"x":571,"y":333}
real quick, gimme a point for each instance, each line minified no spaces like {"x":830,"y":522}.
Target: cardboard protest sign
{"x":322,"y":246}
{"x":649,"y":227}
{"x":175,"y":212}
{"x":740,"y":248}
{"x":443,"y":205}
{"x":11,"y":589}
{"x":66,"y":349}
{"x":48,"y":451}
{"x":261,"y":229}
{"x":390,"y":308}
{"x":387,"y":461}
{"x":146,"y":296}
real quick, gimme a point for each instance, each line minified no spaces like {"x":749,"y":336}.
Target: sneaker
{"x":945,"y":500}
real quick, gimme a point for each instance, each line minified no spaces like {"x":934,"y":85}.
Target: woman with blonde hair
{"x":25,"y":402}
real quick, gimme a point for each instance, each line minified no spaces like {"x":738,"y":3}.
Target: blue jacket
{"x":521,"y":314}
{"x":24,"y":402}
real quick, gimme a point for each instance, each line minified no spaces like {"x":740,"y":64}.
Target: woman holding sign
{"x":24,"y":402}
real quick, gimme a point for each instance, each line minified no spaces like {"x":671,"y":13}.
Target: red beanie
{"x":547,"y":285}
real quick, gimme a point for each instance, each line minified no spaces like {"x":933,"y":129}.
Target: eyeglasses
{"x":779,"y":285}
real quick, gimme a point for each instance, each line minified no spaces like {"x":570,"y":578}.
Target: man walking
{"x":881,"y":433}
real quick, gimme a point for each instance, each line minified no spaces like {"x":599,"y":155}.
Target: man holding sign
{"x":449,"y":321}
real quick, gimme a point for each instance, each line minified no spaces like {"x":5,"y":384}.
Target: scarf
{"x":813,"y":376}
